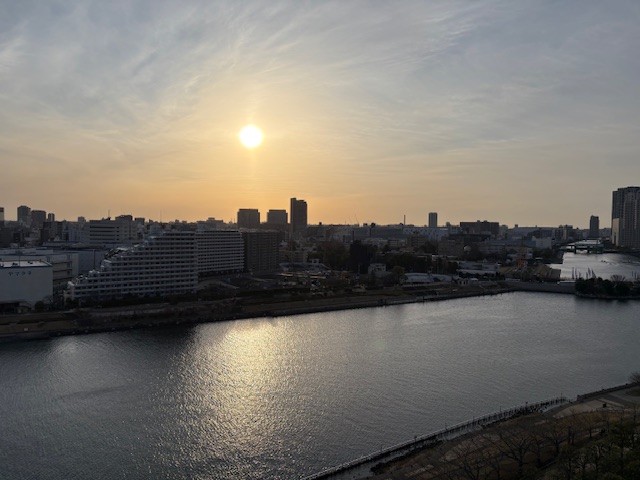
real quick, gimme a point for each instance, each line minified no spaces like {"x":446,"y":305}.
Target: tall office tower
{"x":51,"y":217}
{"x":38,"y":217}
{"x":248,"y":218}
{"x":277,"y":217}
{"x":594,"y":227}
{"x":625,"y":217}
{"x":298,"y":214}
{"x":24,"y":214}
{"x":433,"y":219}
{"x":1,"y":216}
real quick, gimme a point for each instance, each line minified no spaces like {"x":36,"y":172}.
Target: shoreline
{"x":386,"y":462}
{"x":38,"y":326}
{"x":80,"y":321}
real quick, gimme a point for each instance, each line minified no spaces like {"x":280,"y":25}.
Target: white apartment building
{"x":164,"y":263}
{"x":25,"y":282}
{"x":219,"y":251}
{"x":167,"y":262}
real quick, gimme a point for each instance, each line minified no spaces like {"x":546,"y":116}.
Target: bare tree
{"x":634,"y":377}
{"x":556,"y":433}
{"x":597,"y":452}
{"x":470,"y":457}
{"x":567,"y":461}
{"x":515,"y":442}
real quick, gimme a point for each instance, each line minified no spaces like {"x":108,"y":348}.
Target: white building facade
{"x":165,"y":263}
{"x":64,"y":264}
{"x":219,"y":251}
{"x":25,"y":282}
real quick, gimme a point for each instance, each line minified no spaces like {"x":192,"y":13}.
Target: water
{"x":285,"y":397}
{"x":602,"y":265}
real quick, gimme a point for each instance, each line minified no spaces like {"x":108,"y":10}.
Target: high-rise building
{"x":625,"y":217}
{"x":277,"y":217}
{"x":24,"y":214}
{"x":298,"y":213}
{"x":261,"y":250}
{"x":433,"y":219}
{"x":1,"y":216}
{"x":38,"y":217}
{"x":594,"y":227}
{"x":248,"y":218}
{"x":219,"y":251}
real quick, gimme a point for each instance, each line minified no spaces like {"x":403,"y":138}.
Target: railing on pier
{"x":439,"y":435}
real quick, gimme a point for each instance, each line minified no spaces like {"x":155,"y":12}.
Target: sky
{"x":521,"y":112}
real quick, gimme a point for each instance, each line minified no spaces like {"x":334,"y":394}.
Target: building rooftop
{"x":23,"y":264}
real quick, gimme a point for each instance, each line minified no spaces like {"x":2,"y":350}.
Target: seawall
{"x":361,"y":467}
{"x":84,"y":321}
{"x":364,"y":464}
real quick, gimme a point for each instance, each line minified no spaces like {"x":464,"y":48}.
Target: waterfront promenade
{"x":416,"y":458}
{"x":360,"y":466}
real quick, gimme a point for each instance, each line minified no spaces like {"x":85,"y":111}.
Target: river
{"x":579,"y":265}
{"x":286,"y":397}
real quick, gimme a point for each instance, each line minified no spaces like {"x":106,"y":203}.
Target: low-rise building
{"x":23,"y":283}
{"x":64,"y":265}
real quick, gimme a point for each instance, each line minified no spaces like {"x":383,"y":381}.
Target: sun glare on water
{"x":251,"y":136}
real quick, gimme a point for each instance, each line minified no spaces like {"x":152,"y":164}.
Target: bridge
{"x":590,"y":246}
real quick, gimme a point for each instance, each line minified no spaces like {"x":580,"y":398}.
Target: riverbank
{"x":430,"y":455}
{"x":84,"y":321}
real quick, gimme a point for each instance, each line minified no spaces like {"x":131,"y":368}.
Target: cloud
{"x":356,"y":95}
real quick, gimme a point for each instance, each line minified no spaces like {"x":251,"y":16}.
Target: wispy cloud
{"x":359,"y":96}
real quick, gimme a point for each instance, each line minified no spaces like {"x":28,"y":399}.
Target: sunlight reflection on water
{"x":280,"y":398}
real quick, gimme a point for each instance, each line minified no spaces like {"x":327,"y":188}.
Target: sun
{"x":251,"y":136}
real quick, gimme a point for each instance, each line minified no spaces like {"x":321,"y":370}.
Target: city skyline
{"x":279,"y":216}
{"x":518,"y":113}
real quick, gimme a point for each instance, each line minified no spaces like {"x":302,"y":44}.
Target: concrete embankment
{"x":567,"y":288}
{"x":618,"y":397}
{"x":81,"y":321}
{"x":364,"y":464}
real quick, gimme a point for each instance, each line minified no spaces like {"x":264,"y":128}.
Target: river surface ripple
{"x":285,"y":397}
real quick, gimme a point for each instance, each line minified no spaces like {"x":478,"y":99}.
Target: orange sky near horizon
{"x":369,"y":112}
